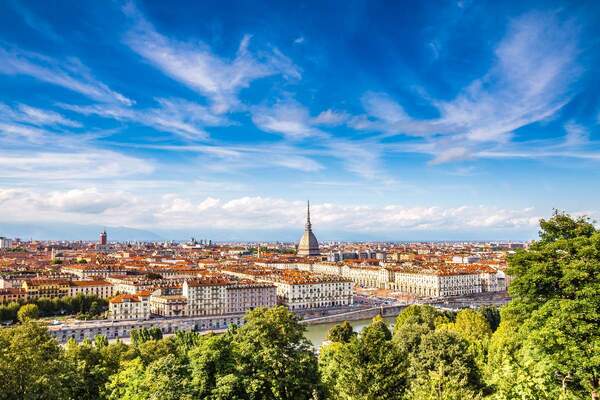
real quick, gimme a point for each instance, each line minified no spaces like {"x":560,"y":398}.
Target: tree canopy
{"x":543,"y":345}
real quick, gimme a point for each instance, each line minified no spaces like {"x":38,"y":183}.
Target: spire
{"x":308,"y":225}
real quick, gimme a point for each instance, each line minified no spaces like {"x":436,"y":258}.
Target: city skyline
{"x":446,"y":121}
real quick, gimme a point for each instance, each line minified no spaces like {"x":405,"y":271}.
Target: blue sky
{"x":412,"y":120}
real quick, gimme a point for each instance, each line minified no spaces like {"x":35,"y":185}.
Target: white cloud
{"x":13,"y":132}
{"x":83,"y":201}
{"x":195,"y":65}
{"x":288,"y":118}
{"x":172,"y":211}
{"x":70,"y":74}
{"x":177,"y":116}
{"x":23,"y":113}
{"x":577,"y":135}
{"x":529,"y":81}
{"x":331,"y":117}
{"x":293,"y":121}
{"x":81,"y":163}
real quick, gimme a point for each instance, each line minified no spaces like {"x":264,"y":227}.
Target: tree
{"x":273,"y":358}
{"x":8,"y":312}
{"x":442,"y":364}
{"x":28,"y":312}
{"x":551,"y":329}
{"x":424,"y":315}
{"x":472,"y":326}
{"x":167,"y":378}
{"x":141,"y":335}
{"x":32,"y":364}
{"x":94,"y":363}
{"x":440,"y":385}
{"x":370,"y":366}
{"x":128,"y":383}
{"x":492,"y":315}
{"x":213,"y":369}
{"x":341,"y":333}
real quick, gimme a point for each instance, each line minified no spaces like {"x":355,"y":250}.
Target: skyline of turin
{"x":446,"y":120}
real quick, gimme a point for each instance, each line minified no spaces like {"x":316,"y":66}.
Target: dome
{"x":308,"y":245}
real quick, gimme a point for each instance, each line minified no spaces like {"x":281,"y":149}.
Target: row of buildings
{"x":235,"y":290}
{"x":434,"y":280}
{"x":36,"y":288}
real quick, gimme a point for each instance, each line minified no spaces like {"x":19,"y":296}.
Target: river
{"x":317,"y":334}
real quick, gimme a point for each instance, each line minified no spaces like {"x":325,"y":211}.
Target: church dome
{"x":308,"y":245}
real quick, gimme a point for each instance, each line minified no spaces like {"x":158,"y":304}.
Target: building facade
{"x":128,"y":307}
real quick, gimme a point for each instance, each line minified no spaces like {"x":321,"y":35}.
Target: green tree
{"x":444,"y":365}
{"x":492,"y":315}
{"x":424,"y":315}
{"x":94,"y":363}
{"x":368,"y":367}
{"x":273,"y":358}
{"x":551,"y":332}
{"x":472,"y":326}
{"x":141,"y":335}
{"x":341,"y":333}
{"x":213,"y":369}
{"x":32,"y":365}
{"x":441,"y":385}
{"x":167,"y":378}
{"x":28,"y":312}
{"x":128,"y":383}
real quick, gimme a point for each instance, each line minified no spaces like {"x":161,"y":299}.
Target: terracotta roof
{"x":124,"y":298}
{"x":90,"y":283}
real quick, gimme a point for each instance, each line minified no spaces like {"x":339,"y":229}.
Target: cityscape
{"x":206,"y":286}
{"x":296,"y":200}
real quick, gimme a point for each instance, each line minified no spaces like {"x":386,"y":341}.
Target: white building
{"x":300,"y":291}
{"x":129,"y":306}
{"x":214,"y":295}
{"x":5,"y":243}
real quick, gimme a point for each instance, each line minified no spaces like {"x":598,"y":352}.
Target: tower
{"x":308,"y":245}
{"x":103,"y":238}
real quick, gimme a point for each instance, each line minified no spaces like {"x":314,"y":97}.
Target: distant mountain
{"x":62,"y":231}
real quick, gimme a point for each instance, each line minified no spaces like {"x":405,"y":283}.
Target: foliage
{"x":369,"y":366}
{"x":472,"y":326}
{"x":28,"y":312}
{"x":492,"y":315}
{"x":139,"y":336}
{"x":84,"y":306}
{"x":549,"y":334}
{"x":422,"y":315}
{"x":32,"y":364}
{"x":274,"y":359}
{"x":341,"y":333}
{"x":445,"y":356}
{"x":543,"y":345}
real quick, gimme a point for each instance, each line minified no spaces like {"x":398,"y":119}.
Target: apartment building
{"x":206,"y":295}
{"x":129,"y":306}
{"x":50,"y":288}
{"x":168,"y":305}
{"x":87,"y":271}
{"x":99,"y":288}
{"x":247,"y":295}
{"x":300,"y":290}
{"x":10,"y":295}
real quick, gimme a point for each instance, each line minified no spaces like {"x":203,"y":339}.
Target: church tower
{"x":309,"y":245}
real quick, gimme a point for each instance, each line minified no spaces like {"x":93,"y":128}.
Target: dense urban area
{"x":85,"y":289}
{"x":227,"y":320}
